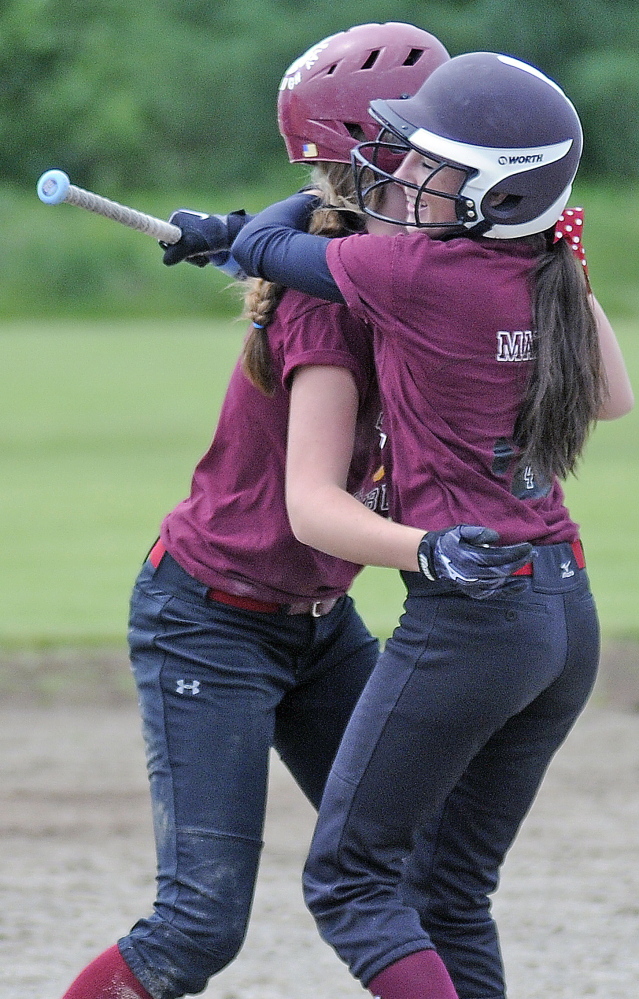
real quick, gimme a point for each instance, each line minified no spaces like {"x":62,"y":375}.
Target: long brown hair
{"x":567,"y":386}
{"x":338,"y":216}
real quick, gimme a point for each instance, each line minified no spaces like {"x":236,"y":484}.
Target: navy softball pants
{"x":452,"y":736}
{"x":217,"y":687}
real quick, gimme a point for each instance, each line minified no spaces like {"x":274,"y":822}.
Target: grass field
{"x":102,"y":425}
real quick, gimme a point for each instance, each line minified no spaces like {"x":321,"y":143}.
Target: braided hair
{"x":339,"y":215}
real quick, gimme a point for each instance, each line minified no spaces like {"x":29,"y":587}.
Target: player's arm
{"x":320,"y":447}
{"x":207,"y":239}
{"x":276,"y":246}
{"x":322,"y":514}
{"x":620,"y":398}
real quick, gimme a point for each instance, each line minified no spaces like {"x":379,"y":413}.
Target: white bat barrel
{"x":54,"y":187}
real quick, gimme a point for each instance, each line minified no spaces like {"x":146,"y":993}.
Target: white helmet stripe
{"x":492,"y":163}
{"x":527,"y":68}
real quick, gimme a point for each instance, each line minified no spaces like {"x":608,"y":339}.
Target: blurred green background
{"x":102,"y":424}
{"x":173,"y":104}
{"x":113,"y":367}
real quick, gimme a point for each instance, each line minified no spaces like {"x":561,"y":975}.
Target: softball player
{"x":491,"y":374}
{"x":241,"y":637}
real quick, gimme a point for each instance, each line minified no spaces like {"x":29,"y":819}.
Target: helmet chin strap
{"x":479,"y":230}
{"x":475,"y":233}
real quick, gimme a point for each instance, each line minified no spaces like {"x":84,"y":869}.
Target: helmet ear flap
{"x":530,"y":197}
{"x":500,"y":206}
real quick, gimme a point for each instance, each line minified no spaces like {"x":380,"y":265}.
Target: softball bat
{"x":54,"y":187}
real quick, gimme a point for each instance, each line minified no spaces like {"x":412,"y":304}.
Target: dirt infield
{"x":76,"y":858}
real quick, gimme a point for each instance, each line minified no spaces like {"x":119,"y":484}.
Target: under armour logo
{"x":182,"y":686}
{"x":566,"y":571}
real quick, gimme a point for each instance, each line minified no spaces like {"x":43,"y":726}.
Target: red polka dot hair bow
{"x":569,"y":226}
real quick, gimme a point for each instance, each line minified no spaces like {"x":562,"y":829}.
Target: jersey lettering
{"x":526,"y":483}
{"x":375,"y":499}
{"x":503,"y":454}
{"x":516,"y":346}
{"x":382,"y":436}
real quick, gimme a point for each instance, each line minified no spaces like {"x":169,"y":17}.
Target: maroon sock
{"x":421,"y":975}
{"x":108,"y":977}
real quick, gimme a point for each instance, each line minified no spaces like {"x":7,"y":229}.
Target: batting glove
{"x":202,"y":235}
{"x":468,"y":557}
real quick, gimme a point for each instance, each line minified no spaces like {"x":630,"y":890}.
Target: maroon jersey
{"x":232,"y":533}
{"x":452,"y":328}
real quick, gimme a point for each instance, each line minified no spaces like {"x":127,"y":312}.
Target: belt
{"x":577,"y":550}
{"x":316,"y":608}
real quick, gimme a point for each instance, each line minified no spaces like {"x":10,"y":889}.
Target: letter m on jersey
{"x":516,"y":346}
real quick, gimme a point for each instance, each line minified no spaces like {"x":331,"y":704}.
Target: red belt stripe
{"x":264,"y":607}
{"x":245,"y":603}
{"x":577,"y":550}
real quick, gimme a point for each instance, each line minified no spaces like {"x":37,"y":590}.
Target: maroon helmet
{"x":322,"y":107}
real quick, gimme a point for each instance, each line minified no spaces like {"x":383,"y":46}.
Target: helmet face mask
{"x":511,"y":130}
{"x":374,"y":164}
{"x":369,"y":161}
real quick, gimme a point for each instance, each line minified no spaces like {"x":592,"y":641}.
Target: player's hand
{"x":202,"y":235}
{"x":467,"y":556}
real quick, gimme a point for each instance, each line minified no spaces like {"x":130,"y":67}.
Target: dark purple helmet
{"x":509,"y":128}
{"x":324,"y":95}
